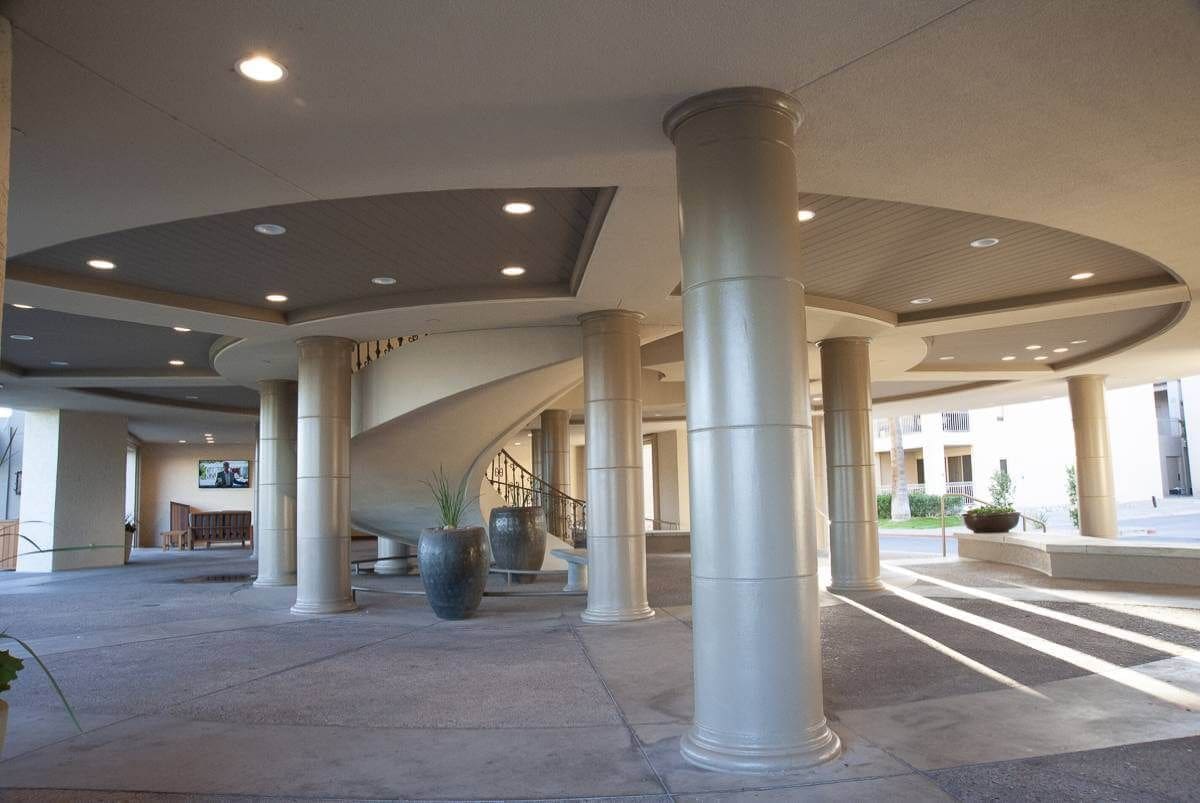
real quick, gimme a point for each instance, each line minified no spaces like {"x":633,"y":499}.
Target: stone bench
{"x":1078,"y":557}
{"x":577,"y":575}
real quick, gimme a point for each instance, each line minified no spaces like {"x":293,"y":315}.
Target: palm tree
{"x":900,"y":510}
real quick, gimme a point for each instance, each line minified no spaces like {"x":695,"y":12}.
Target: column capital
{"x":751,"y":96}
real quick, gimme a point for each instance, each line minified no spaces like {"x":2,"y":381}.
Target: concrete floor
{"x":965,"y":680}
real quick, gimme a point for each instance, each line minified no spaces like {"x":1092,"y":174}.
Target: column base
{"x":821,"y":746}
{"x":856,"y":587}
{"x":331,"y":606}
{"x":612,"y":617}
{"x":275,"y":582}
{"x":394,"y":570}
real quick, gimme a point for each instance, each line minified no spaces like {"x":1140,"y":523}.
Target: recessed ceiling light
{"x":1008,"y":358}
{"x":181,"y":329}
{"x":513,"y":270}
{"x":1079,"y":277}
{"x":23,"y":306}
{"x":181,"y":440}
{"x":276,"y":298}
{"x":384,"y":280}
{"x":101,"y":264}
{"x":1033,"y":347}
{"x":191,"y":398}
{"x":270,"y":229}
{"x":21,"y":337}
{"x":1041,"y":357}
{"x":985,"y":242}
{"x":208,"y":434}
{"x":59,"y":363}
{"x":518,"y":208}
{"x":176,"y":363}
{"x":948,"y":357}
{"x":805,"y":215}
{"x":1061,"y":349}
{"x":263,"y":69}
{"x":1077,"y":342}
{"x":922,"y":300}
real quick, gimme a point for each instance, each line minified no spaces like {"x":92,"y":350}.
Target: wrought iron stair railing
{"x":566,"y":516}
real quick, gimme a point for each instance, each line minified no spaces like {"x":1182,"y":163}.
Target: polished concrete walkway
{"x":961,"y":681}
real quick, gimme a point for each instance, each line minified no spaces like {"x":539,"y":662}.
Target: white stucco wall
{"x":169,"y":474}
{"x":73,"y":489}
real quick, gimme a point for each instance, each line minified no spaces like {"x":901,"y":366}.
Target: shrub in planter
{"x":998,"y":517}
{"x":453,"y":559}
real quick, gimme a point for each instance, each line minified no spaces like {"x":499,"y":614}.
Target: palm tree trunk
{"x":900,"y":510}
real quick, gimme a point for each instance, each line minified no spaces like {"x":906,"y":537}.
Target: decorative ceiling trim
{"x":921,"y":394}
{"x":18,"y":272}
{"x":1126,"y":343}
{"x":583,"y":257}
{"x":141,"y":398}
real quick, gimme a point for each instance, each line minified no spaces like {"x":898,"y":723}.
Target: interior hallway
{"x":961,"y":681}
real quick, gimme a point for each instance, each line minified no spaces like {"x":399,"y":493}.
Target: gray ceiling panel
{"x":96,"y":343}
{"x":447,"y":241}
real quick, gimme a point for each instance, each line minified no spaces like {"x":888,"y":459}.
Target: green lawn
{"x":926,"y":523}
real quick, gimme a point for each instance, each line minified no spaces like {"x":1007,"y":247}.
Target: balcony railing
{"x":908,"y":425}
{"x":964,"y":488}
{"x":958,"y":421}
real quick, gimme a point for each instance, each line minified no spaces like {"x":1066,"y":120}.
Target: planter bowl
{"x":454,"y":566}
{"x":3,"y":725}
{"x":518,"y":537}
{"x":990,"y":522}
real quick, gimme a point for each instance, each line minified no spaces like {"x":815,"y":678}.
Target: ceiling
{"x":1070,"y":135}
{"x":1101,"y":333}
{"x":232,"y":397}
{"x":885,"y":254}
{"x":98,"y":344}
{"x":449,"y":245}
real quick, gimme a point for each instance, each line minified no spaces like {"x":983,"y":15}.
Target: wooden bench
{"x":577,"y":574}
{"x":221,"y":525}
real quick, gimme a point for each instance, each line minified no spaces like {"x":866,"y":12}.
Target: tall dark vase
{"x":518,"y":539}
{"x":454,"y":569}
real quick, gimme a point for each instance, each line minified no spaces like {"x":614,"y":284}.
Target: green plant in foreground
{"x":1073,"y":495}
{"x":1001,"y":489}
{"x":451,"y":502}
{"x":11,"y":665}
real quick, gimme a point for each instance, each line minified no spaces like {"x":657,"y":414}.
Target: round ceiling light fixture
{"x":985,"y":242}
{"x":1041,"y":357}
{"x":21,"y":337}
{"x":181,"y":440}
{"x":384,"y":281}
{"x":805,"y":215}
{"x":518,"y":207}
{"x":512,"y":271}
{"x":1061,"y":350}
{"x":270,"y":229}
{"x":276,"y":298}
{"x":101,"y":264}
{"x":176,"y":363}
{"x":1078,"y":342}
{"x":192,"y":398}
{"x":922,"y":300}
{"x":1008,"y":358}
{"x":23,"y":306}
{"x":181,"y":329}
{"x":1079,"y":277}
{"x":1033,"y":347}
{"x":947,"y":357}
{"x":260,"y":68}
{"x":59,"y":363}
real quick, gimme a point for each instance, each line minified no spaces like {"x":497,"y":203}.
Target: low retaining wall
{"x":668,"y":542}
{"x":1079,"y":557}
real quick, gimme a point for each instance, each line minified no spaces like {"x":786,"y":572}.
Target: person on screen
{"x":226,"y":476}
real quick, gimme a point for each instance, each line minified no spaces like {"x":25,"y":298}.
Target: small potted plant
{"x":453,"y":559}
{"x":130,"y":529}
{"x":10,"y":665}
{"x":999,"y":516}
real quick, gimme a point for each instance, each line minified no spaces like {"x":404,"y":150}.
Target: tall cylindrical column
{"x":756,"y":621}
{"x":1093,"y":457}
{"x":612,"y":416}
{"x":821,"y":499}
{"x":276,"y":530}
{"x":5,"y":142}
{"x":849,"y":461}
{"x":323,"y":477}
{"x":556,"y":465}
{"x":535,"y":453}
{"x":402,"y":557}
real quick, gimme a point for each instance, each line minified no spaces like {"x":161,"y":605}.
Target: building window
{"x":958,"y":468}
{"x":920,"y":471}
{"x":1004,"y":466}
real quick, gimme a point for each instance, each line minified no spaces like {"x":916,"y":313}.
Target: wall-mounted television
{"x":224,"y":473}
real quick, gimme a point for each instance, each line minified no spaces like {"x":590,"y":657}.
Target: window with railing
{"x":908,"y":425}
